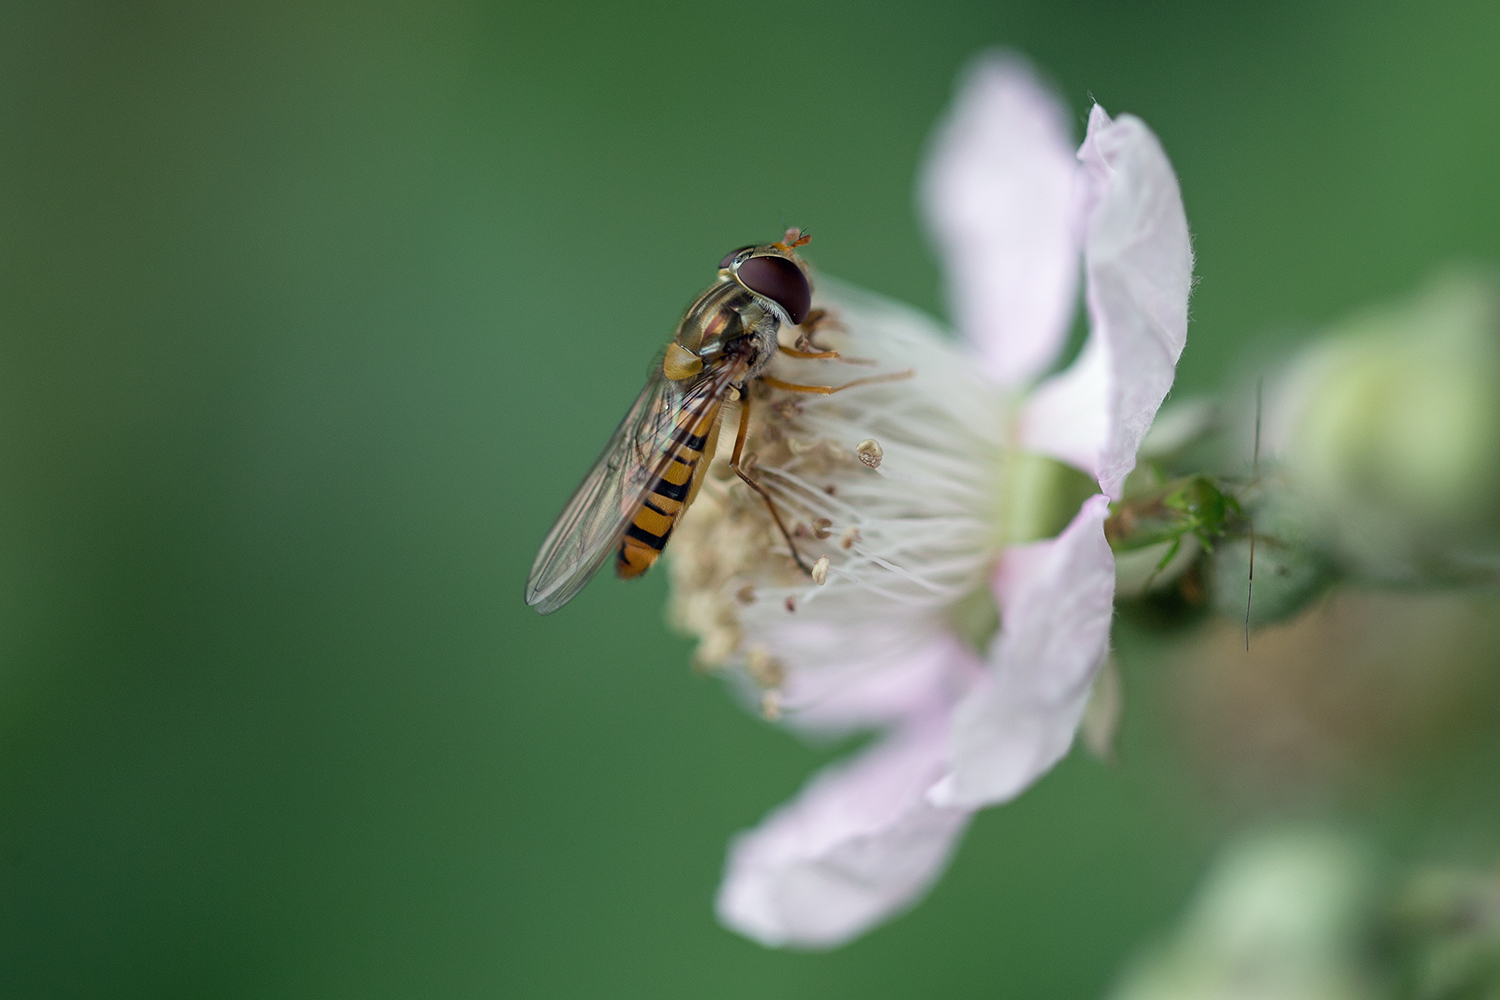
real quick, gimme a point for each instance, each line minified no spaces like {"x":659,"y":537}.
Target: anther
{"x":848,"y":538}
{"x":745,"y":595}
{"x":791,"y":605}
{"x":820,"y":571}
{"x":870,"y":452}
{"x":764,"y":668}
{"x":788,"y":409}
{"x":820,"y":527}
{"x":717,"y":646}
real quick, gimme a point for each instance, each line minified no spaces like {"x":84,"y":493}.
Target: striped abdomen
{"x":692,"y":451}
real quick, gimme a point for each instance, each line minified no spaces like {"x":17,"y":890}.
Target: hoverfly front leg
{"x":793,"y":352}
{"x":806,"y":346}
{"x":734,"y":463}
{"x":829,"y":390}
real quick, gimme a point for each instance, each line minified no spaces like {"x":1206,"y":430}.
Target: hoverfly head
{"x":731,"y":256}
{"x":776,"y":276}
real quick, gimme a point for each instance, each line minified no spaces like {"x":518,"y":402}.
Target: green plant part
{"x":1291,"y":567}
{"x":1192,"y":506}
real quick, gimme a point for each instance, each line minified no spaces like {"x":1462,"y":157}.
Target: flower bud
{"x":1390,"y":430}
{"x":1283,"y":914}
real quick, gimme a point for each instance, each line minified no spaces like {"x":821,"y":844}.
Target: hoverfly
{"x":650,"y":471}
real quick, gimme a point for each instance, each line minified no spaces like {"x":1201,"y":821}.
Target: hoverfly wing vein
{"x":579,"y":542}
{"x":590,"y":526}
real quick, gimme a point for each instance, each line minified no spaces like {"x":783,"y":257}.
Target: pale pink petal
{"x":998,"y":196}
{"x":858,"y":845}
{"x":1056,"y":600}
{"x":1138,"y":262}
{"x":842,"y":678}
{"x":1067,"y":416}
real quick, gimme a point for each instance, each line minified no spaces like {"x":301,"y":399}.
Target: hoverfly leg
{"x":793,"y":352}
{"x":829,"y":390}
{"x":734,"y":463}
{"x":808,"y":347}
{"x":808,"y":329}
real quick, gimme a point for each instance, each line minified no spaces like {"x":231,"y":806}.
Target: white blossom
{"x":934,"y":500}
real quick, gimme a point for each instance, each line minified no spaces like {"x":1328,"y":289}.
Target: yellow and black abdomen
{"x":693,"y":449}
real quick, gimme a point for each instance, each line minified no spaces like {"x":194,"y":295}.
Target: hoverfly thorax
{"x":760,"y":288}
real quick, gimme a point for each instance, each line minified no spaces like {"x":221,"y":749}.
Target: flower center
{"x":1039,"y":496}
{"x":899,"y":495}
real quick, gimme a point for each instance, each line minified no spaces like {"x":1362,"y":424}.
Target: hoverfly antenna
{"x":794,"y":238}
{"x":1260,"y":385}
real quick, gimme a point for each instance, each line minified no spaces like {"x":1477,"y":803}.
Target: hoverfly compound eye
{"x":779,"y":280}
{"x":731,"y":255}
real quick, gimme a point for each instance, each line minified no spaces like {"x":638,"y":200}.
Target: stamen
{"x":820,"y":571}
{"x":848,"y":538}
{"x":764,"y":669}
{"x":745,"y":595}
{"x":716,"y":646}
{"x":788,"y":408}
{"x":870,"y":452}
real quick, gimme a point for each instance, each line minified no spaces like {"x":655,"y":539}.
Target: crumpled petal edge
{"x":1139,"y":268}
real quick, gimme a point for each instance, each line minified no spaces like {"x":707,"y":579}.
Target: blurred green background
{"x":311,"y":315}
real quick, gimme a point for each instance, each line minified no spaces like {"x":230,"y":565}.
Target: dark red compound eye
{"x":731,"y":255}
{"x":779,"y":280}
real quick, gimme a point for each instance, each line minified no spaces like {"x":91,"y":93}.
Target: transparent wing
{"x":588,"y":530}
